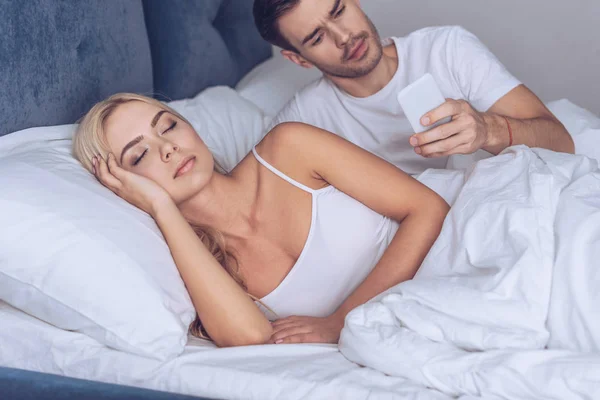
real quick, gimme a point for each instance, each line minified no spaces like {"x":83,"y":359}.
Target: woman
{"x":308,"y":224}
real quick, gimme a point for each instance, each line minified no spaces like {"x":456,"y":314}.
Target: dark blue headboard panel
{"x":196,"y":44}
{"x":59,"y":57}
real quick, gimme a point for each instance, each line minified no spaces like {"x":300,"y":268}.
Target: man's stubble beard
{"x":342,"y":70}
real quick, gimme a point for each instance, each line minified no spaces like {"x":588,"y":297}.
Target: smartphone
{"x":420,"y":97}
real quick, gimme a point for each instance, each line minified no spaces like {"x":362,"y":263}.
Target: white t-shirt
{"x":461,"y":65}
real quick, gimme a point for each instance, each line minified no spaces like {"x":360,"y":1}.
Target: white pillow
{"x":271,"y":84}
{"x":229,"y":124}
{"x":77,"y":256}
{"x":582,"y":124}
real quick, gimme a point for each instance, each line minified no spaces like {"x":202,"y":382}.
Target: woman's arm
{"x":227,"y":313}
{"x":380,"y":186}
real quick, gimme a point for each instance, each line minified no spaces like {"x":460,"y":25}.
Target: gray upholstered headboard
{"x":59,"y":57}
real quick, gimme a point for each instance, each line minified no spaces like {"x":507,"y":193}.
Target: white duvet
{"x":507,"y":302}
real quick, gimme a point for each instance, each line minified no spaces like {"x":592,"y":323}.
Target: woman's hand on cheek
{"x":297,"y":329}
{"x":136,"y":189}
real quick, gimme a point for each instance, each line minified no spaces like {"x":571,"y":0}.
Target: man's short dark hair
{"x":266,"y":13}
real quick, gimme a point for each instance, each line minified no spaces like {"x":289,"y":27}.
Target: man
{"x":356,"y":98}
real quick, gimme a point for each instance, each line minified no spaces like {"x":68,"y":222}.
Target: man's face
{"x":333,"y":35}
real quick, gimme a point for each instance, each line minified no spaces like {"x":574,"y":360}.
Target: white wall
{"x":553,"y":46}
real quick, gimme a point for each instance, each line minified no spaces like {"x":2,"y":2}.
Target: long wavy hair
{"x":90,"y":139}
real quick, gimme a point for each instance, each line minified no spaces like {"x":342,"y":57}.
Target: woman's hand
{"x":136,"y":189}
{"x":296,"y":329}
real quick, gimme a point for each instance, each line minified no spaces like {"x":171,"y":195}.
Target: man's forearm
{"x":544,"y":132}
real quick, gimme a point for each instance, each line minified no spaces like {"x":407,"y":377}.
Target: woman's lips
{"x":186,"y":165}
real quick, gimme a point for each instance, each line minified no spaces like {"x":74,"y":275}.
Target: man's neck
{"x":376,"y":80}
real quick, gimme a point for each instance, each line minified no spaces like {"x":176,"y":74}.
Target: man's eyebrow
{"x":310,"y":36}
{"x":130,"y":145}
{"x":314,"y":33}
{"x":335,"y":7}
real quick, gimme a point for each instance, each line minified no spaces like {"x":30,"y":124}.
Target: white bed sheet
{"x":254,"y":372}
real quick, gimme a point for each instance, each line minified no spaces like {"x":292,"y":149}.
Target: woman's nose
{"x":168,"y":150}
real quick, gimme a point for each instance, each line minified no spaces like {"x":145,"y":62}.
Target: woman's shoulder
{"x":289,"y":147}
{"x":290,"y":133}
{"x":293,"y":139}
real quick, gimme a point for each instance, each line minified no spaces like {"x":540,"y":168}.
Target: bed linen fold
{"x":505,"y":304}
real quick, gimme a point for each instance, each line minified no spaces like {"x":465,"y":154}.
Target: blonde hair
{"x":90,"y":139}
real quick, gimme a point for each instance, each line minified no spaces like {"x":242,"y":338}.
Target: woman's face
{"x":149,"y":141}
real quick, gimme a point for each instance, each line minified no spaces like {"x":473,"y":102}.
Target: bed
{"x":91,"y":305}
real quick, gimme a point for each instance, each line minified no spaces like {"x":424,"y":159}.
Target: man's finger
{"x":445,"y":146}
{"x":449,"y":108}
{"x":441,"y":132}
{"x":463,"y":149}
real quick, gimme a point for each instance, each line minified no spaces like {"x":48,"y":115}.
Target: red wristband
{"x":510,"y":135}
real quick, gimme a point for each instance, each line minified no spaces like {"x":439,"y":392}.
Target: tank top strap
{"x":281,"y":174}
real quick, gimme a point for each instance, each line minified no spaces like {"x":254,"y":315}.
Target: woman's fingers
{"x":279,"y":328}
{"x":114,"y":168}
{"x":281,"y":335}
{"x":299,"y":338}
{"x":104,"y":175}
{"x":285,"y":321}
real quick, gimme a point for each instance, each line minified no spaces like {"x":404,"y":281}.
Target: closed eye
{"x":340,"y":12}
{"x":170,"y":127}
{"x":137,"y":160}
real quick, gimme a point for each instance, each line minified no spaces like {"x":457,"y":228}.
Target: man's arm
{"x":519,"y":117}
{"x":530,"y":121}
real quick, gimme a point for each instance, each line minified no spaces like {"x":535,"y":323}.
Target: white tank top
{"x":345,"y":241}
